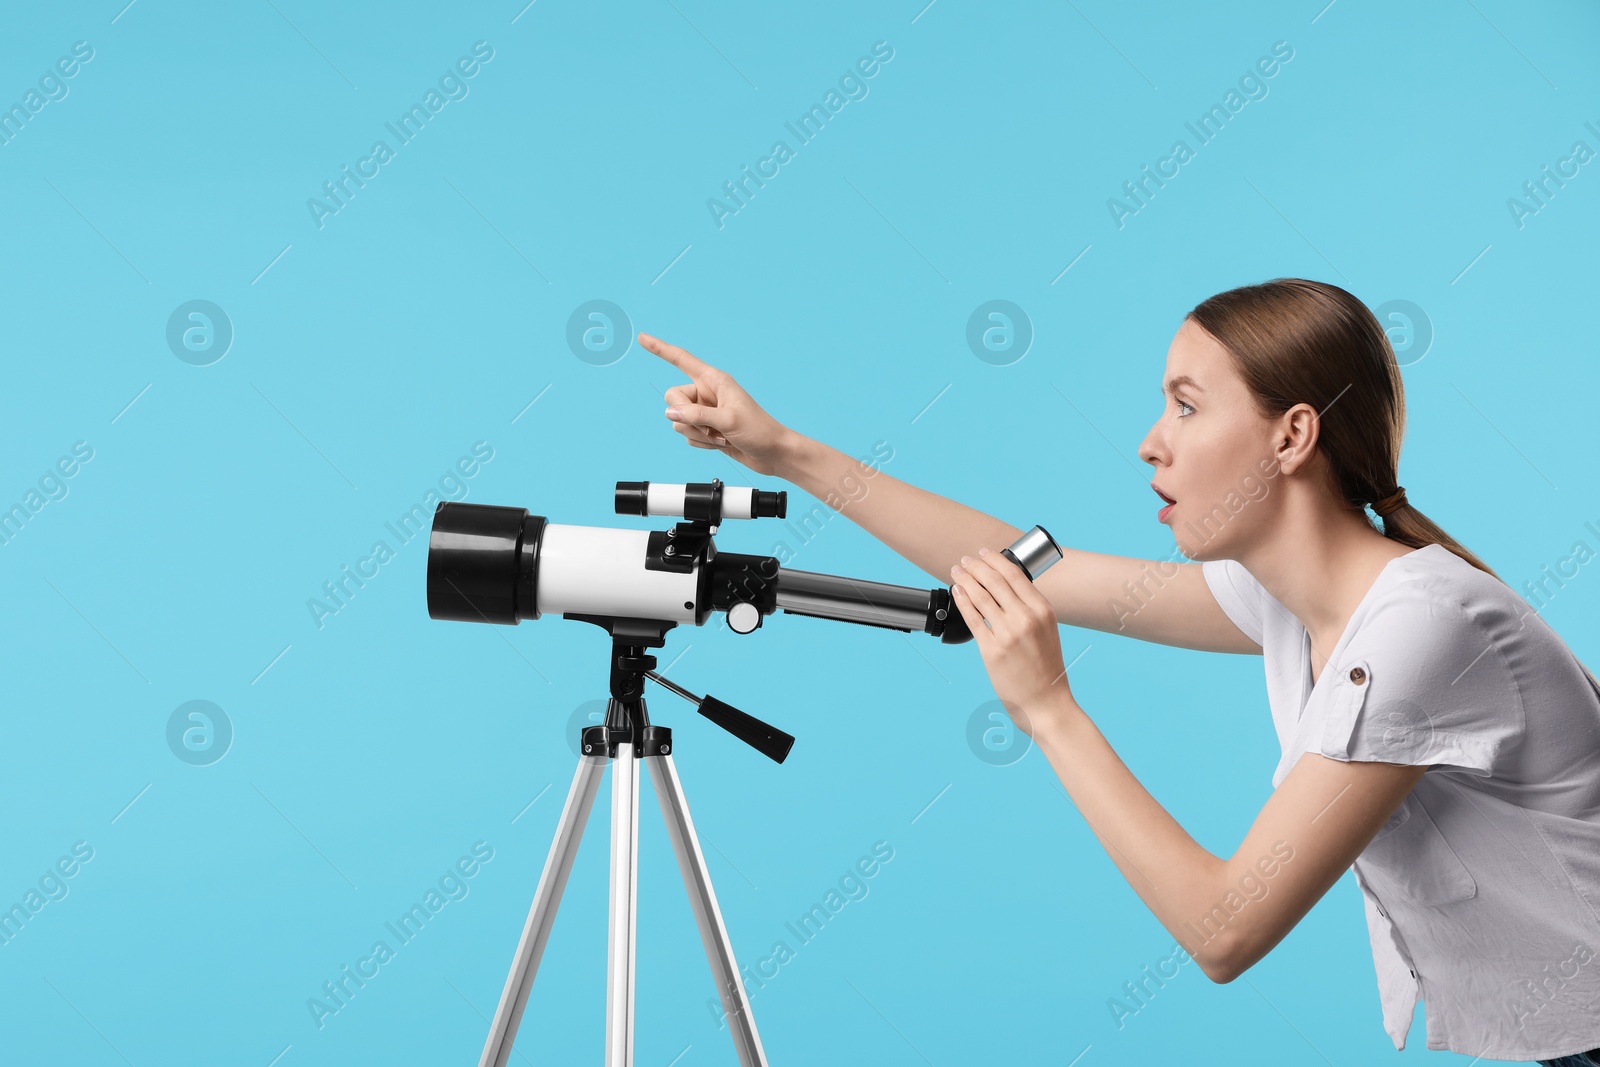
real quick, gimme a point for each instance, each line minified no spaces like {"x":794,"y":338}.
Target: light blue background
{"x":427,"y":314}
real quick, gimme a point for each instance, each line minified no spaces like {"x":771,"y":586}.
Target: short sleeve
{"x":1424,"y":683}
{"x":1238,"y":594}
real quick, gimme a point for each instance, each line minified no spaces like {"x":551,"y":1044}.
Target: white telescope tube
{"x":598,"y":570}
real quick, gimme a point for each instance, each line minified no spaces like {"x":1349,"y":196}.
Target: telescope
{"x":494,"y":564}
{"x":502,"y":565}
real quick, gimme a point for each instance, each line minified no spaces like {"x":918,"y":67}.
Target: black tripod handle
{"x":763,"y":737}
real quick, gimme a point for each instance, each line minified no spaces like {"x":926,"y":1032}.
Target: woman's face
{"x":1211,"y":451}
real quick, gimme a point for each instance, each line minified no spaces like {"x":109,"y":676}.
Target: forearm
{"x":931,"y":531}
{"x":1178,"y":880}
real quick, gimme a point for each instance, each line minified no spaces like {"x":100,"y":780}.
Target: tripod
{"x":625,"y":741}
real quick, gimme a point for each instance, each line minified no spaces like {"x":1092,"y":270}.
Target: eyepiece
{"x":769,"y":505}
{"x":633,"y":498}
{"x":1034,"y":552}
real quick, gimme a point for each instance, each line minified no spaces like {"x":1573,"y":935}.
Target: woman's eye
{"x":1181,"y":404}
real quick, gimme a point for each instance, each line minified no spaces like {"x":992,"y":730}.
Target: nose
{"x":1153,"y":449}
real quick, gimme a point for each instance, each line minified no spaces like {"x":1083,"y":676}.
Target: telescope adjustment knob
{"x":744,"y":617}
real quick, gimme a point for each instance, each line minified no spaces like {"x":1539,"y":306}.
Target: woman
{"x":1438,"y":737}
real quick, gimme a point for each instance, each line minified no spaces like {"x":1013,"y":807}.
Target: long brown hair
{"x":1297,"y":341}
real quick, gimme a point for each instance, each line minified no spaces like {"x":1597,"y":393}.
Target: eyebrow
{"x":1182,"y":379}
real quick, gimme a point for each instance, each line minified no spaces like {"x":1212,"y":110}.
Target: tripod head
{"x":627,"y":721}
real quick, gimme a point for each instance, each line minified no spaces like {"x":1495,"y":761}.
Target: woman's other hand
{"x":1015,"y":628}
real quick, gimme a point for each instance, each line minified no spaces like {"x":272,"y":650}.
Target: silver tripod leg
{"x":569,"y":833}
{"x":719,"y":951}
{"x":624,"y":886}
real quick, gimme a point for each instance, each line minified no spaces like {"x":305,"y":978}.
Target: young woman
{"x":1439,"y":739}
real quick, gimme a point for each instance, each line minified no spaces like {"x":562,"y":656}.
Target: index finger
{"x":676,"y":356}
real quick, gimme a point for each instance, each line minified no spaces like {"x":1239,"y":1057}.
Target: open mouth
{"x":1167,"y":501}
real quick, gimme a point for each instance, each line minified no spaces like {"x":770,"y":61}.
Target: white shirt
{"x":1482,"y":891}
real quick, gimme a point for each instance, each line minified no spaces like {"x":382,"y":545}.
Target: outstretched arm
{"x":1151,"y":600}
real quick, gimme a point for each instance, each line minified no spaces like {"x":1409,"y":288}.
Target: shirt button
{"x":1358,"y":676}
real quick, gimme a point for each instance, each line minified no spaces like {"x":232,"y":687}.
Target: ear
{"x":1297,"y":432}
